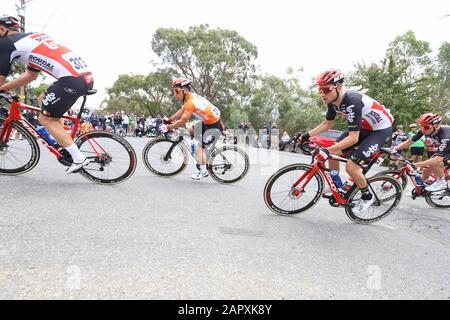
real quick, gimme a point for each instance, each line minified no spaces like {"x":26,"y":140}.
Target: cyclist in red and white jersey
{"x":40,"y":53}
{"x":369,"y":128}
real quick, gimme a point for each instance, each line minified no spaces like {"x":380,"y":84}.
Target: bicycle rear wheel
{"x":18,"y":156}
{"x":280,"y":195}
{"x":228,"y":164}
{"x":157,"y":160}
{"x":387,"y":191}
{"x":113,"y":159}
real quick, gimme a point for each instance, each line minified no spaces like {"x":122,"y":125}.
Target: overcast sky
{"x":114,"y":37}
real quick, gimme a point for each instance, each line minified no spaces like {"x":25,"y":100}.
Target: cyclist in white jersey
{"x":40,"y":53}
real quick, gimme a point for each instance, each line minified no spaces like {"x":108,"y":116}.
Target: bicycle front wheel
{"x":21,"y":153}
{"x":282,"y":197}
{"x":157,"y":159}
{"x":228,"y":164}
{"x":113,"y":159}
{"x":439,"y":199}
{"x":387,"y":191}
{"x":403,"y":178}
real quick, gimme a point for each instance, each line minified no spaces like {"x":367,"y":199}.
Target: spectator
{"x":285,"y":140}
{"x":418,"y":148}
{"x":117,"y":122}
{"x":125,"y":123}
{"x":398,"y":138}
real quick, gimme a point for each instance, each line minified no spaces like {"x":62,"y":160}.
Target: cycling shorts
{"x":369,"y":143}
{"x":208,"y":134}
{"x":62,"y":95}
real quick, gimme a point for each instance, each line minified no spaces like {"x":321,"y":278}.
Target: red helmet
{"x":10,"y":22}
{"x":181,"y":82}
{"x":329,"y":77}
{"x":430,"y":119}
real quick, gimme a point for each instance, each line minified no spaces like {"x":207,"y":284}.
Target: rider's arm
{"x":177,"y":115}
{"x":405,"y":144}
{"x":410,"y":141}
{"x":350,"y":140}
{"x":326,"y":125}
{"x":184,"y":118}
{"x":22,"y":80}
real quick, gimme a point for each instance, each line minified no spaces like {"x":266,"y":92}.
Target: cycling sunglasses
{"x":326,"y":90}
{"x":426,"y":128}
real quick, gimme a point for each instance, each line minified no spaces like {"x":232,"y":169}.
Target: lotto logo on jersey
{"x":372,"y":150}
{"x":49,"y":98}
{"x":443,"y":145}
{"x":351,"y":114}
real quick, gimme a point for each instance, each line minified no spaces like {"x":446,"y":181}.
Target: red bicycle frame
{"x":319,"y":166}
{"x":16,"y":115}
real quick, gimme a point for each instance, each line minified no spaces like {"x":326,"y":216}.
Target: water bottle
{"x":193,"y":147}
{"x":47,"y":136}
{"x":337,"y":180}
{"x":348,"y":184}
{"x":419,"y":180}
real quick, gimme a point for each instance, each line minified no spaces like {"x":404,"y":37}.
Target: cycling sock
{"x":203,"y":169}
{"x":76,"y":154}
{"x":366,"y":195}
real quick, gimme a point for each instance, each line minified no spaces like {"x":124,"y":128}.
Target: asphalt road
{"x":174,"y":238}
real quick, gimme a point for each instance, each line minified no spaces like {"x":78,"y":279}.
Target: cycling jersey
{"x":40,"y":53}
{"x":441,"y":138}
{"x":202,"y":109}
{"x":361,"y":111}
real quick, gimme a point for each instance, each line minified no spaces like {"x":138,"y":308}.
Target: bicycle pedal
{"x":327,"y":196}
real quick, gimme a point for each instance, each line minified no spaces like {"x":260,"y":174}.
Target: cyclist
{"x":207,"y":131}
{"x":431,"y":127}
{"x":40,"y":53}
{"x":369,"y":128}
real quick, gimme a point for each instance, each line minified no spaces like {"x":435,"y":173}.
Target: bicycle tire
{"x":35,"y":152}
{"x":354,"y":191}
{"x":90,"y":146}
{"x":218,"y":171}
{"x":159,"y":157}
{"x":430,"y":198}
{"x":268,"y":189}
{"x":394,"y":173}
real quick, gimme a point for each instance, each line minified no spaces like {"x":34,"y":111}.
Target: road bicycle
{"x":112,"y":159}
{"x":298,"y":187}
{"x":168,"y":155}
{"x":440,"y":199}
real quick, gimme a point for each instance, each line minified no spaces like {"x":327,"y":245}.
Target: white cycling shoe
{"x":198,"y":176}
{"x":438,"y":185}
{"x":76,"y":167}
{"x":362,"y":205}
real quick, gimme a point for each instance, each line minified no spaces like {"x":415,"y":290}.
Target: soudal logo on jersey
{"x":372,"y":150}
{"x":41,"y":63}
{"x":375,"y":117}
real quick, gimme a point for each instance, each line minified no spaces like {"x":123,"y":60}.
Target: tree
{"x":220,"y":63}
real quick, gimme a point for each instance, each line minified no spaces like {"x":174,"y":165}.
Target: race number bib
{"x":76,"y":62}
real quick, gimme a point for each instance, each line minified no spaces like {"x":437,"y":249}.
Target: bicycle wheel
{"x":18,"y":156}
{"x":439,"y":199}
{"x":386,"y":199}
{"x":113,"y":159}
{"x":157,"y":160}
{"x":403,"y":178}
{"x":280,"y":194}
{"x":228,"y":164}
